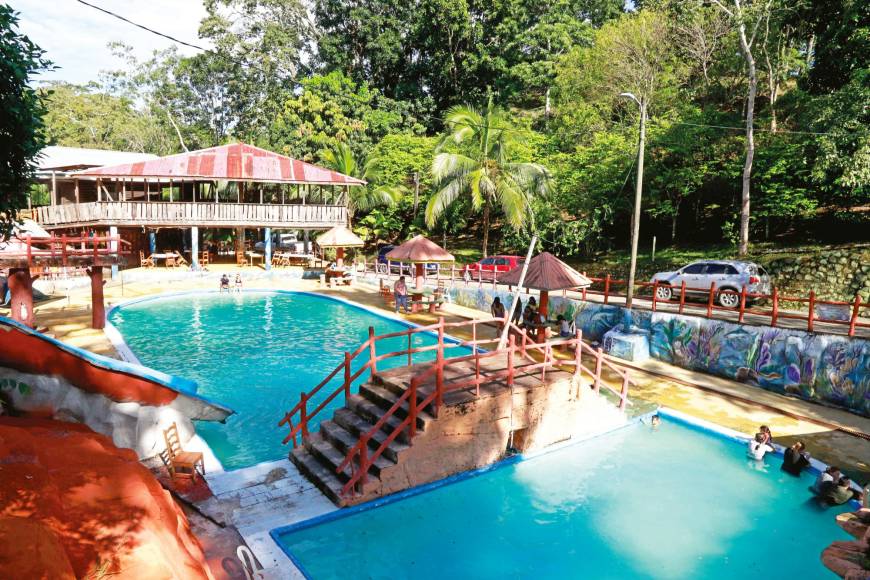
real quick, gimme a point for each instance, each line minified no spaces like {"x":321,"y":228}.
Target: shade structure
{"x":420,"y":250}
{"x":546,"y":273}
{"x":236,"y":162}
{"x":339,"y":237}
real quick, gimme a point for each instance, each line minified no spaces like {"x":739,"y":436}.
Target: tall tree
{"x":485,"y":169}
{"x":21,"y":129}
{"x":748,"y":17}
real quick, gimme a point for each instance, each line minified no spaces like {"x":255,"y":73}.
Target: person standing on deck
{"x":400,"y":293}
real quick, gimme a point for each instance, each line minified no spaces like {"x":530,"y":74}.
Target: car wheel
{"x":729,"y":298}
{"x":664,"y":292}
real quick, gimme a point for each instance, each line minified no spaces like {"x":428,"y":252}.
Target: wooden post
{"x":812,"y":312}
{"x":606,"y":287}
{"x":54,"y":189}
{"x":710,"y":299}
{"x":21,"y":289}
{"x":170,"y":190}
{"x":412,"y":411}
{"x":510,"y":361}
{"x":856,"y":307}
{"x":303,"y":411}
{"x":439,"y":367}
{"x":363,"y":460}
{"x":578,"y":355}
{"x":410,"y":356}
{"x":373,"y":363}
{"x":682,"y":295}
{"x":623,"y":395}
{"x":774,"y":311}
{"x":598,"y":357}
{"x":346,"y":375}
{"x":98,"y":305}
{"x":742,"y":304}
{"x":77,"y":189}
{"x":655,"y":291}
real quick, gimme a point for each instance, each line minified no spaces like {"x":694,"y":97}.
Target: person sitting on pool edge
{"x":757,"y":447}
{"x":225,"y":283}
{"x":400,"y":294}
{"x":830,"y":475}
{"x":795,"y":459}
{"x":840,"y":493}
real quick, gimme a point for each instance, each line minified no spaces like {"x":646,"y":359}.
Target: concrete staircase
{"x":320,"y":456}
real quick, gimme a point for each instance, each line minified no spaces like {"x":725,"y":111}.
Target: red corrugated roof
{"x":236,"y":162}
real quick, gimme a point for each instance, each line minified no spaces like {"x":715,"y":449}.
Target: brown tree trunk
{"x":485,"y":227}
{"x":750,"y":136}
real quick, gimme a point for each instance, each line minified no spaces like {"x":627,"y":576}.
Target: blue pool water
{"x":636,"y":503}
{"x":255,"y":352}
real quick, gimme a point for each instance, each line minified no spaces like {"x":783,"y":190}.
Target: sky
{"x":74,"y":36}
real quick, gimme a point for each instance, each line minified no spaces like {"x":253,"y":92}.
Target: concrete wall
{"x":476,"y":433}
{"x":129,"y":425}
{"x":828,"y":369}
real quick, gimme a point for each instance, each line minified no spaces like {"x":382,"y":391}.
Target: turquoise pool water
{"x":671,"y":503}
{"x":255,"y":352}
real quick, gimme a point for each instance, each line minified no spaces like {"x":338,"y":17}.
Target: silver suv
{"x":726,"y":274}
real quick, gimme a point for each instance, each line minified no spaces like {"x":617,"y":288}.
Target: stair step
{"x":320,"y":476}
{"x":373,"y":412}
{"x":332,"y":457}
{"x":357,"y":425}
{"x":386,"y":398}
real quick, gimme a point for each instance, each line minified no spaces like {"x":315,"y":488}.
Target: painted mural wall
{"x":830,"y":369}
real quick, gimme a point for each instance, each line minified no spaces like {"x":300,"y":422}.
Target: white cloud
{"x":75,"y":36}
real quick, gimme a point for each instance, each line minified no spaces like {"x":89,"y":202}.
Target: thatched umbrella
{"x":420,"y":250}
{"x":340,"y":238}
{"x":546,"y":273}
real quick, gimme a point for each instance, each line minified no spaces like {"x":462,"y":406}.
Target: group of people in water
{"x":530,"y":317}
{"x":831,"y":487}
{"x":225,"y":283}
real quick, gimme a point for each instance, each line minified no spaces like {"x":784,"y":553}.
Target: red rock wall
{"x":65,"y":490}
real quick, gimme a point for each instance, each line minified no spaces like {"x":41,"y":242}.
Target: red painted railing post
{"x":63,"y":250}
{"x":655,"y":292}
{"x":578,"y":354}
{"x":812,"y":312}
{"x":623,"y":395}
{"x":510,"y":361}
{"x":682,"y":296}
{"x":373,"y":356}
{"x":412,"y":411}
{"x":439,"y":367}
{"x":303,"y":421}
{"x":742,"y":304}
{"x":599,"y":355}
{"x":774,"y":311}
{"x":29,"y":255}
{"x":606,"y":288}
{"x":363,"y":461}
{"x":410,"y":356}
{"x":477,"y":372}
{"x":710,"y":299}
{"x":346,"y":375}
{"x":856,"y":307}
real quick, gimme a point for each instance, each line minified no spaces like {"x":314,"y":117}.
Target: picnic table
{"x":421,"y":297}
{"x":164,"y":256}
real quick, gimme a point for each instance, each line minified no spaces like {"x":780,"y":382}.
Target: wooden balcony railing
{"x":168,"y":214}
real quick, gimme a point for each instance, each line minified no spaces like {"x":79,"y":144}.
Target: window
{"x":718,"y":269}
{"x":694,"y":268}
{"x":487,"y":261}
{"x":501,"y":262}
{"x":731,"y":270}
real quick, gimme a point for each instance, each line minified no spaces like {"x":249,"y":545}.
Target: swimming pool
{"x":674,"y":502}
{"x":255,"y":352}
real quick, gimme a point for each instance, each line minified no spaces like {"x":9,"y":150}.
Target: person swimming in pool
{"x":757,"y":447}
{"x":795,"y":459}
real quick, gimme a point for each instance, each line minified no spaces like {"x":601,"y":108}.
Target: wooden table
{"x":252,"y":255}
{"x":164,"y":256}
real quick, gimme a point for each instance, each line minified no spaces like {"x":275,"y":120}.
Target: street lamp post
{"x":635,"y":219}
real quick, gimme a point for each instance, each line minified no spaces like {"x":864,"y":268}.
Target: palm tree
{"x":485,"y":171}
{"x":340,"y":158}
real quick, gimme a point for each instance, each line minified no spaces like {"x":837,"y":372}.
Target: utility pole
{"x":638,"y":191}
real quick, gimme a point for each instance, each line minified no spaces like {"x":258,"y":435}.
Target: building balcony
{"x":188,"y":214}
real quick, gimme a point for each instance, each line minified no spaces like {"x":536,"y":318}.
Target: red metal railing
{"x":419,"y":396}
{"x":65,"y":248}
{"x":605,"y":288}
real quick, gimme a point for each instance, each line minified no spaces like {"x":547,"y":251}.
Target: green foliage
{"x":334,"y":109}
{"x":22,"y":133}
{"x":375,"y":193}
{"x":486,"y":169}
